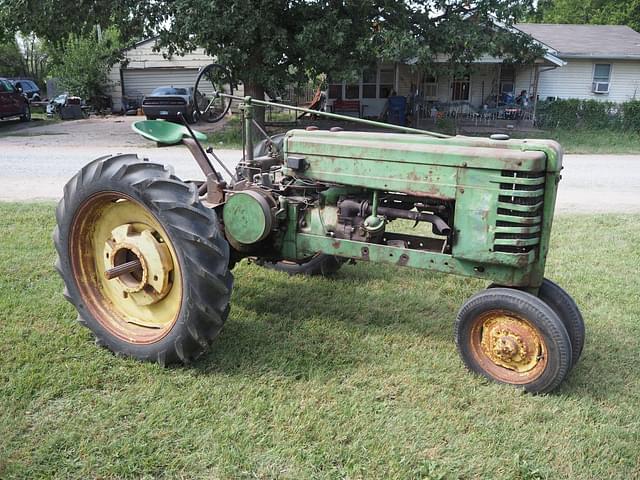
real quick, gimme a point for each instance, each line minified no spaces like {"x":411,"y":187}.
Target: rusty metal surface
{"x":508,"y":347}
{"x":122,"y":269}
{"x":138,"y":306}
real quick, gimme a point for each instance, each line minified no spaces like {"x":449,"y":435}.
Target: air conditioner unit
{"x":600,"y":87}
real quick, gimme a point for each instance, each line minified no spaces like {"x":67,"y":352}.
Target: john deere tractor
{"x":147,"y":257}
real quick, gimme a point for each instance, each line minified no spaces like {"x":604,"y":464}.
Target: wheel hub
{"x":510,"y":343}
{"x":147,"y":283}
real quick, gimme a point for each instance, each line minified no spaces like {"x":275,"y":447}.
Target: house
{"x":579,"y":61}
{"x":144,"y":69}
{"x":602,"y":61}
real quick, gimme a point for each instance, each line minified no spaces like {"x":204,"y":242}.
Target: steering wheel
{"x":213,"y":79}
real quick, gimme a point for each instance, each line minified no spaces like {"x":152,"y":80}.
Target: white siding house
{"x":143,"y":70}
{"x":600,"y":62}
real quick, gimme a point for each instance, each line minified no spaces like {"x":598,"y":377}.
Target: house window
{"x":387,"y":78}
{"x":507,"y":80}
{"x":369,"y":82}
{"x":335,"y":91}
{"x":460,"y":88}
{"x":429,"y":87}
{"x":352,"y":90}
{"x":374,"y":83}
{"x":601,"y":77}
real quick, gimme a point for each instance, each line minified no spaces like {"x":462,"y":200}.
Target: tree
{"x":55,"y":20}
{"x":269,"y":43}
{"x":82,"y":63}
{"x":603,"y":12}
{"x":34,"y":57}
{"x":23,"y":56}
{"x":11,"y":60}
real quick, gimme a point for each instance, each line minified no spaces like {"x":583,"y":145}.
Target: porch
{"x":488,"y":96}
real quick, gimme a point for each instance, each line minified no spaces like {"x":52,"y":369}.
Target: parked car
{"x":167,"y":102}
{"x":66,"y":106}
{"x":29,"y":89}
{"x":12,"y":102}
{"x":56,"y":103}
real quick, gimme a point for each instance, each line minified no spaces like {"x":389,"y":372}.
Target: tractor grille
{"x":519,"y":218}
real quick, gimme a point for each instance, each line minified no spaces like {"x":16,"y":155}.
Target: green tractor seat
{"x":161,"y":131}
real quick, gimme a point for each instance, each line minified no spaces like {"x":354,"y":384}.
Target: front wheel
{"x":143,"y":261}
{"x":565,"y":307}
{"x":513,"y":337}
{"x":26,"y":116}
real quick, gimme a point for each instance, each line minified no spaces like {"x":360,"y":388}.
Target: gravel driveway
{"x":36,"y":162}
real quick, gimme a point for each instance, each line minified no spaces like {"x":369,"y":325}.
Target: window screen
{"x":602,"y":72}
{"x":369,"y":77}
{"x":460,"y":88}
{"x":387,"y":77}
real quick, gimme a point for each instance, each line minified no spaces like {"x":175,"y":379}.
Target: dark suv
{"x":12,"y":102}
{"x":29,"y":89}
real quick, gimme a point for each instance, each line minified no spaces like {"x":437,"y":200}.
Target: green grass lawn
{"x":592,"y":141}
{"x":352,"y":377}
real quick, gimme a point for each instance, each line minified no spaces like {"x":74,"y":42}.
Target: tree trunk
{"x":256,"y":91}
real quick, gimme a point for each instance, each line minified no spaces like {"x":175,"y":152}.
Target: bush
{"x":83,"y":63}
{"x":588,"y":114}
{"x":446,"y":125}
{"x":631,"y":115}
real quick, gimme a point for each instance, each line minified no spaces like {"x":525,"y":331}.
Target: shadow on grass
{"x":322,"y":327}
{"x":304,"y":327}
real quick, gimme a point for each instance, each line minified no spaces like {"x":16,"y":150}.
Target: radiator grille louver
{"x":519,"y":215}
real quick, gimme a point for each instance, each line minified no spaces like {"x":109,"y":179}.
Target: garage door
{"x":140,"y":82}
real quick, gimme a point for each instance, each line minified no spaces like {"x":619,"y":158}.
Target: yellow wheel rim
{"x":508,"y":347}
{"x":112,"y":230}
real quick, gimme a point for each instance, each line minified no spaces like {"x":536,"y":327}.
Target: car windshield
{"x":170,"y":91}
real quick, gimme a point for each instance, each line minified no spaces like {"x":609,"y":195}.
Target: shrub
{"x":631,"y":115}
{"x":82,"y":63}
{"x":588,"y":114}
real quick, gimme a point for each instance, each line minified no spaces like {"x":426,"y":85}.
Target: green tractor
{"x":146,"y":257}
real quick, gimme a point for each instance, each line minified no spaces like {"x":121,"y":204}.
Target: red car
{"x":12,"y":102}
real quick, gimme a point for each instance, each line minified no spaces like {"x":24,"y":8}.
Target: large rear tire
{"x":120,"y":210}
{"x":513,"y":337}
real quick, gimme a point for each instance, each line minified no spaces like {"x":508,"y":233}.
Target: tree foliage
{"x":11,"y":61}
{"x":82,"y":63}
{"x":35,"y":57}
{"x":267,"y":43}
{"x":23,"y":56}
{"x":603,"y":12}
{"x":55,"y":20}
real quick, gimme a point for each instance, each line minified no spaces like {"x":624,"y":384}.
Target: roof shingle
{"x":592,"y":41}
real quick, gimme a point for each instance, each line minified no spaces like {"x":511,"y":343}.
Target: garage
{"x":145,"y":67}
{"x":143,"y":81}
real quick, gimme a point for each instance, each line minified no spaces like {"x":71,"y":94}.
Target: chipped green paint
{"x":504,"y":193}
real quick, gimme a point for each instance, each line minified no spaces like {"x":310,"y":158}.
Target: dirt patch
{"x":110,"y":131}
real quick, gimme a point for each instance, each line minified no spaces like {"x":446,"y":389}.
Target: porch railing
{"x":428,"y":110}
